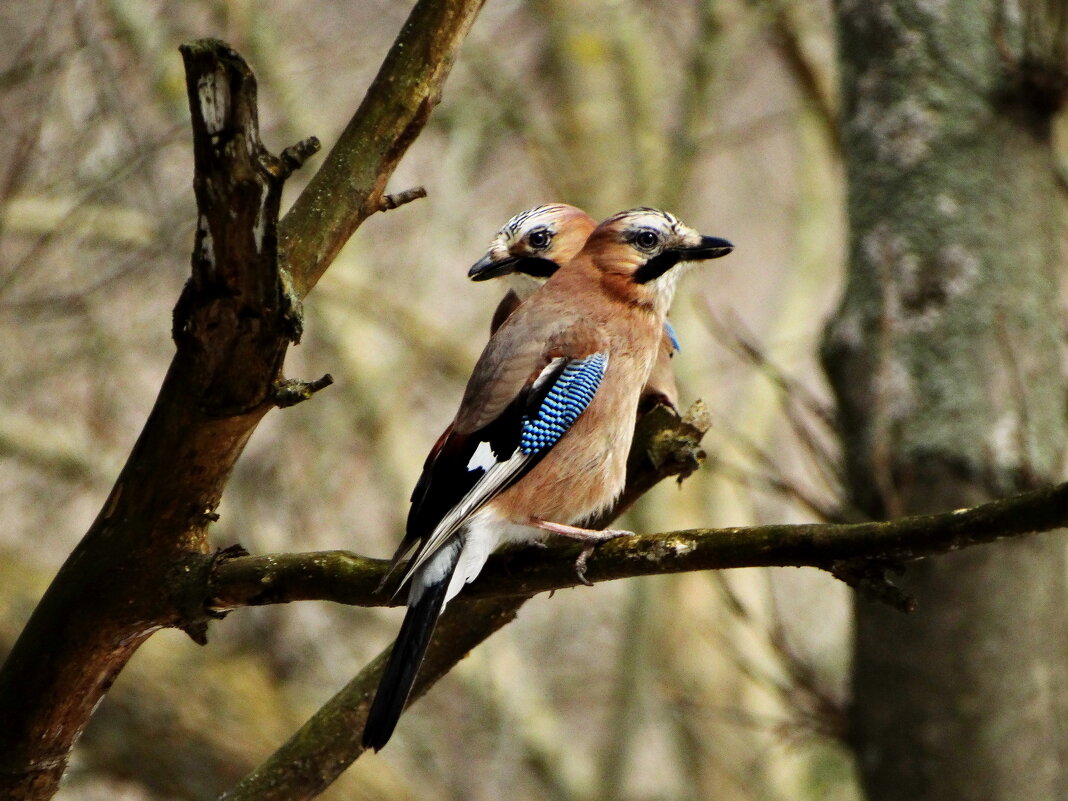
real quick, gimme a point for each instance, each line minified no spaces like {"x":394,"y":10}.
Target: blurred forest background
{"x":729,"y":686}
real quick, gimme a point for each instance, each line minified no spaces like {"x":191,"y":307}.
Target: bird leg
{"x":586,"y":535}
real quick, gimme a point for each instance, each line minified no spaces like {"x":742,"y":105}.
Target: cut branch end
{"x":388,"y":202}
{"x":292,"y":391}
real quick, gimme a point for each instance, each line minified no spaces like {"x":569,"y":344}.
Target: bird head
{"x":533,"y":244}
{"x":641,"y":253}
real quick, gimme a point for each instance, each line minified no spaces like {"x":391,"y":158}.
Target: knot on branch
{"x":190,"y":577}
{"x":677,"y":450}
{"x":294,"y":156}
{"x":292,"y":308}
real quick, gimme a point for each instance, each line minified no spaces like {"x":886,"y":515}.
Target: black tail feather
{"x":404,"y":661}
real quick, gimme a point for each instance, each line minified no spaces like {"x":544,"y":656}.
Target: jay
{"x":541,"y":438}
{"x":529,"y":248}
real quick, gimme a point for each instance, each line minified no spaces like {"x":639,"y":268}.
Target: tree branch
{"x":231,"y":329}
{"x":664,"y":445}
{"x":344,"y":577}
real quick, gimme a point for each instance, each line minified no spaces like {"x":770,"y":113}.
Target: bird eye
{"x":647,"y":240}
{"x":539,"y":239}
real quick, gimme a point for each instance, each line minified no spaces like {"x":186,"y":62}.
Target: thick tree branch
{"x":351,"y":184}
{"x":344,"y":577}
{"x":231,"y":328}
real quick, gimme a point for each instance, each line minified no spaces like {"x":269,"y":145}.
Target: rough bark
{"x":231,"y":328}
{"x":945,"y":358}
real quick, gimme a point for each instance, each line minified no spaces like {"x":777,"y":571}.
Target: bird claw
{"x":580,"y":565}
{"x":591,"y":544}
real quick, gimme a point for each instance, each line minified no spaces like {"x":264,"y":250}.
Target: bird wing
{"x":514,"y":411}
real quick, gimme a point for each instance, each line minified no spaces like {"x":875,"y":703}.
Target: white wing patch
{"x":543,"y":376}
{"x":482,"y":457}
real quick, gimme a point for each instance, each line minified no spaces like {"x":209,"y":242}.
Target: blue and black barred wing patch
{"x":566,"y":399}
{"x":537,"y":420}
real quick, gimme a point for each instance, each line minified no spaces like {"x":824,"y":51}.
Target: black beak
{"x":711,"y":247}
{"x":486,"y":268}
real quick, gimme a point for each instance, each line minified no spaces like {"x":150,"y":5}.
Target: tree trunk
{"x":945,"y":357}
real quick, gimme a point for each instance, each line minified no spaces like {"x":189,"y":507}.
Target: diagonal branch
{"x":392,"y":114}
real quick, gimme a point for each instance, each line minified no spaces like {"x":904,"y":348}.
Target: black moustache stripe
{"x":656,"y":267}
{"x":535,"y":267}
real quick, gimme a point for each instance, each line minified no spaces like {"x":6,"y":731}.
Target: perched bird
{"x":541,"y":438}
{"x":529,"y":248}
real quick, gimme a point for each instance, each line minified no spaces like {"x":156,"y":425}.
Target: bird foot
{"x":590,"y":537}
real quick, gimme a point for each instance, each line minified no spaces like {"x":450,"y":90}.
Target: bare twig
{"x":292,"y":391}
